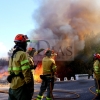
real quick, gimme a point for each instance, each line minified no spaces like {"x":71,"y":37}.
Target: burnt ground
{"x":68,"y":90}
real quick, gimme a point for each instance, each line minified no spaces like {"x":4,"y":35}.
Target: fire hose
{"x":92,"y":91}
{"x":60,"y":91}
{"x":55,"y":98}
{"x":63,"y":98}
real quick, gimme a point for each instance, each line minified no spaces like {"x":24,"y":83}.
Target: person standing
{"x":96,"y":68}
{"x":31,"y":53}
{"x":20,"y":75}
{"x":49,"y":69}
{"x":90,"y":73}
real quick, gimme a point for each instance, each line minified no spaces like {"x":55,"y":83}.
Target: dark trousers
{"x":22,"y":93}
{"x":97,"y":84}
{"x":48,"y":84}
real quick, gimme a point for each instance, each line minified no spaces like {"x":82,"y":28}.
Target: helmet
{"x":21,"y":38}
{"x":31,"y":51}
{"x":49,"y":53}
{"x":97,"y":56}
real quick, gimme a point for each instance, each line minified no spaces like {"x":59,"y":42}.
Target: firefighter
{"x":96,"y":68}
{"x":90,"y":73}
{"x":20,"y":77}
{"x":49,"y":69}
{"x":31,"y":53}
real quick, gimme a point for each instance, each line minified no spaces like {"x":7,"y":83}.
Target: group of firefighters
{"x":21,"y":68}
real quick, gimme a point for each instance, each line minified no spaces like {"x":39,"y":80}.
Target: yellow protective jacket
{"x":20,"y":63}
{"x":49,"y":66}
{"x":31,"y":62}
{"x":30,"y":57}
{"x":96,"y":67}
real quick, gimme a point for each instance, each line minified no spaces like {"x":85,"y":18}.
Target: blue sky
{"x":15,"y":17}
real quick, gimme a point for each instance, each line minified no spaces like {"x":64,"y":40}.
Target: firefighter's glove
{"x":10,"y":77}
{"x":43,"y":77}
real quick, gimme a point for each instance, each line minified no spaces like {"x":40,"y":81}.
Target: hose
{"x":94,"y":86}
{"x":2,"y":91}
{"x":68,"y":92}
{"x":92,"y":91}
{"x":55,"y":98}
{"x":63,"y":98}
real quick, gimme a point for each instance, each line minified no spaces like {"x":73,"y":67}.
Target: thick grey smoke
{"x":66,"y":20}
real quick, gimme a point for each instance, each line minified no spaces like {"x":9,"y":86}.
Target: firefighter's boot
{"x":97,"y":97}
{"x":48,"y":98}
{"x":39,"y":97}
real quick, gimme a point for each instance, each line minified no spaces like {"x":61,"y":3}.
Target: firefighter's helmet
{"x":49,"y":53}
{"x":31,"y":51}
{"x":21,"y":38}
{"x":97,"y":56}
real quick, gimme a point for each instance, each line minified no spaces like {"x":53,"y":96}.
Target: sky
{"x":15,"y":18}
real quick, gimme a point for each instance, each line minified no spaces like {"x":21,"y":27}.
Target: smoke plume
{"x":66,"y":20}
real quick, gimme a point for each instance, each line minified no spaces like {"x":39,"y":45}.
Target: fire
{"x":38,"y":72}
{"x":3,"y":74}
{"x":72,"y":20}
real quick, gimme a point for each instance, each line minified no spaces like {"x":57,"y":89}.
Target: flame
{"x":77,"y":20}
{"x":3,"y":74}
{"x":38,"y":72}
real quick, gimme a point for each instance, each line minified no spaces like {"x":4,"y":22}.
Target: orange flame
{"x":38,"y":72}
{"x":3,"y":74}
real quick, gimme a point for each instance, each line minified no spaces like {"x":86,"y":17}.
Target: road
{"x":77,"y":89}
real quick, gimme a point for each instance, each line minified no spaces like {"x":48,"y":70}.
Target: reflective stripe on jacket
{"x":49,"y":66}
{"x":20,"y":63}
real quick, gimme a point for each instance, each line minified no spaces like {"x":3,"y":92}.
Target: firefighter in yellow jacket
{"x":31,"y":53}
{"x":49,"y":69}
{"x":96,"y":67}
{"x":20,"y":78}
